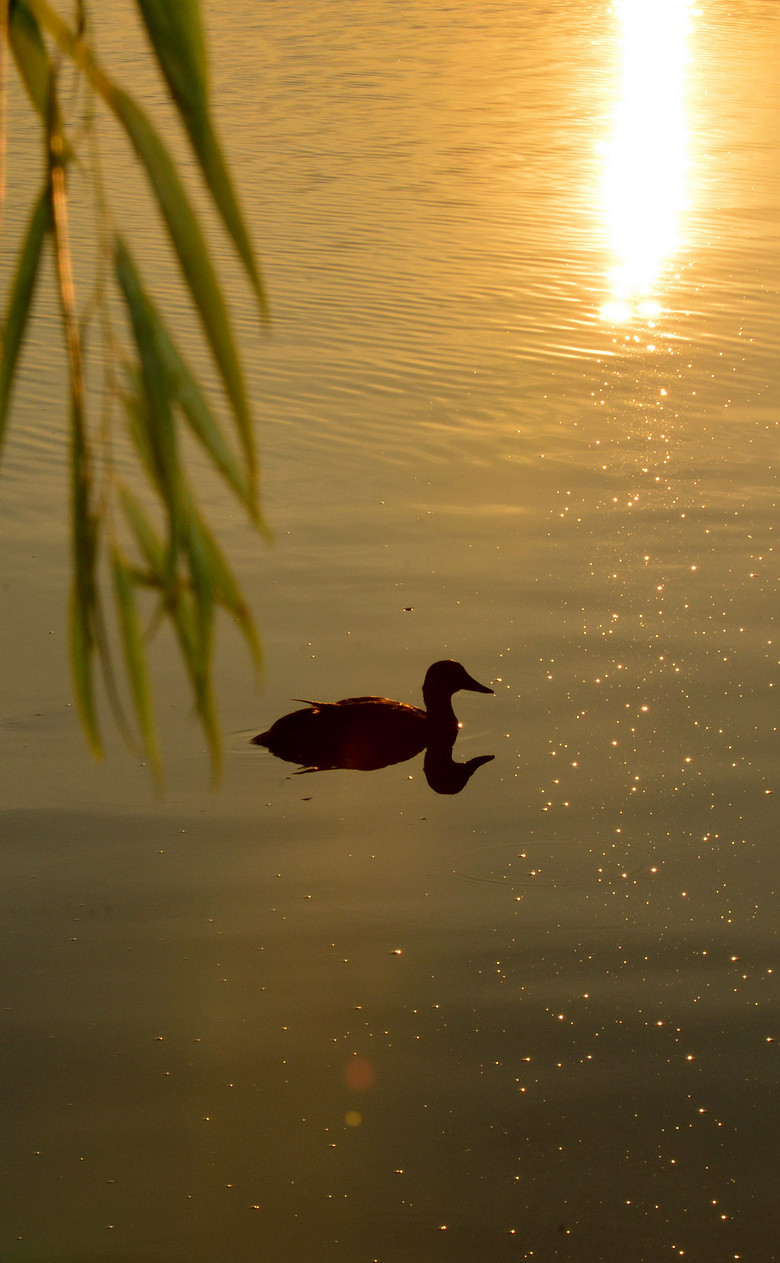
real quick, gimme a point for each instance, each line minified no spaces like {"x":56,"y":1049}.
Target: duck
{"x":444,"y":775}
{"x":367,"y":733}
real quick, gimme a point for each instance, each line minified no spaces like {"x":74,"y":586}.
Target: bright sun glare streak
{"x":647,"y":158}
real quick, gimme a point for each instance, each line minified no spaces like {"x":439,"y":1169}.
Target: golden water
{"x":518,"y":407}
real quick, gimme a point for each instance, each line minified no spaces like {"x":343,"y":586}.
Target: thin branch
{"x":3,"y":90}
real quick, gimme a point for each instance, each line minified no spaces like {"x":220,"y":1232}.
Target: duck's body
{"x":371,"y":732}
{"x":357,"y":732}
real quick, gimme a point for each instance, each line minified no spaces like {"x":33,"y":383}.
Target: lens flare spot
{"x":358,"y":1074}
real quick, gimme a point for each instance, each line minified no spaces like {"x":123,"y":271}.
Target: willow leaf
{"x":135,"y":655}
{"x":85,"y":640}
{"x":189,"y":601}
{"x":205,"y":597}
{"x":183,"y":385}
{"x":149,"y":543}
{"x":187,"y":624}
{"x":153,"y":411}
{"x":144,"y":578}
{"x":161,"y":573}
{"x":203,"y":628}
{"x":136,"y":406}
{"x":183,"y":227}
{"x":226,"y":588}
{"x":196,"y":265}
{"x":81,"y":655}
{"x":83,"y":603}
{"x":190,"y":610}
{"x":176,"y":33}
{"x":20,"y":301}
{"x":217,"y":176}
{"x":30,"y":55}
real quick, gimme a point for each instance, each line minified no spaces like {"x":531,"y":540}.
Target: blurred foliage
{"x":125,"y":545}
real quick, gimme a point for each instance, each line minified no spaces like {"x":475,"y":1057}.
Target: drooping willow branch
{"x":170,"y":552}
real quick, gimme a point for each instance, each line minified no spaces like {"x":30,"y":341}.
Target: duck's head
{"x":447,"y":677}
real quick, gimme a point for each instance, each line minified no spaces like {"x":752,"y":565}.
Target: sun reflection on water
{"x":645,"y":178}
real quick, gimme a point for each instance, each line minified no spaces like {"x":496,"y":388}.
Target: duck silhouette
{"x":444,"y":775}
{"x":367,"y":733}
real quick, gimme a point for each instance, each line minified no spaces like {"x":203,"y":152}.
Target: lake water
{"x":518,"y":407}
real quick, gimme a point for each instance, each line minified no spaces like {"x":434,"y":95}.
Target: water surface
{"x":338,"y":1016}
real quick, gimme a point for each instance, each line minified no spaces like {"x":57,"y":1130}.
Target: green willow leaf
{"x":20,"y":301}
{"x":135,"y":655}
{"x":203,"y":588}
{"x":81,"y":656}
{"x":182,"y":384}
{"x":168,"y":551}
{"x":160,"y":575}
{"x":226,"y":589}
{"x":180,"y":561}
{"x":30,"y":54}
{"x":153,"y":410}
{"x":176,"y":33}
{"x":196,"y":265}
{"x":188,"y":622}
{"x":85,"y":528}
{"x":84,"y":599}
{"x":149,"y":543}
{"x":83,"y":603}
{"x":189,"y":604}
{"x":135,"y":406}
{"x":183,"y":227}
{"x":144,"y":578}
{"x":215,"y":171}
{"x":203,"y":609}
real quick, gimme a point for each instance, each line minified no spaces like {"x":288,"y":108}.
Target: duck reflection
{"x":367,"y":733}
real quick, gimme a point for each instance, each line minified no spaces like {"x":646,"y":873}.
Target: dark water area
{"x":518,"y":407}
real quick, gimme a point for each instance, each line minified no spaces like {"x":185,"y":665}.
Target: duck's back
{"x":357,"y":732}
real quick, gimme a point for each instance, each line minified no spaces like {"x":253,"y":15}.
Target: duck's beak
{"x":474,"y":686}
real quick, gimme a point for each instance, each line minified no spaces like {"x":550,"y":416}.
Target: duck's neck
{"x":438,"y":709}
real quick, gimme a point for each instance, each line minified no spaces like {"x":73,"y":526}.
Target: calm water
{"x":506,"y":417}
